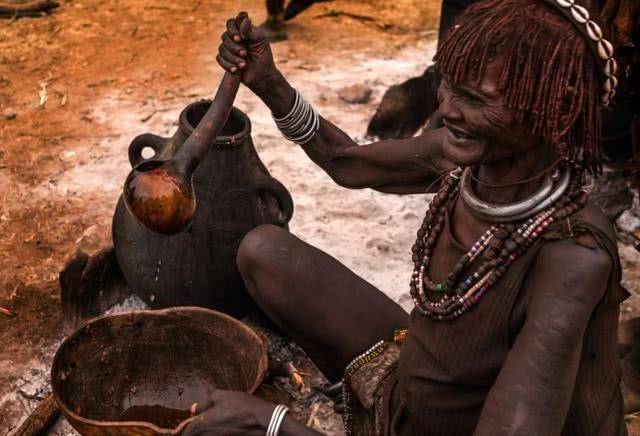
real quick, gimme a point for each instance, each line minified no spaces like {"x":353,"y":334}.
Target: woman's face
{"x":481,"y":129}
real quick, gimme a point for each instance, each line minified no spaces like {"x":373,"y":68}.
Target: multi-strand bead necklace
{"x":499,"y":246}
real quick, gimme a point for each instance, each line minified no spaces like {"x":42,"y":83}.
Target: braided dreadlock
{"x":550,"y":78}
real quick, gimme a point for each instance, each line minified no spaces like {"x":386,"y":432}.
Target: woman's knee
{"x":256,"y":247}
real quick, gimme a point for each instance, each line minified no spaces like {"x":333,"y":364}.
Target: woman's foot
{"x":296,"y":7}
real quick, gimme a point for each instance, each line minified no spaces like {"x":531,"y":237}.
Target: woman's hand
{"x":245,"y":48}
{"x":232,"y":414}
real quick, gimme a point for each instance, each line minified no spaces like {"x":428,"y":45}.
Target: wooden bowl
{"x":139,"y":373}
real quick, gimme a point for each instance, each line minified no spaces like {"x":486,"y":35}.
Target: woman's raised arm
{"x":394,"y":166}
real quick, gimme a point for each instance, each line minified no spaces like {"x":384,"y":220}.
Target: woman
{"x":516,"y":280}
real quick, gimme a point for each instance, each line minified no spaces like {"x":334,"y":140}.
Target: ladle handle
{"x":196,"y":146}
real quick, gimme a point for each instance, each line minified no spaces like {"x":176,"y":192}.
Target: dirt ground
{"x":77,"y":86}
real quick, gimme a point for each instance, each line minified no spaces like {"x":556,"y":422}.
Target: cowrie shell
{"x":611,"y":67}
{"x":605,"y":49}
{"x":580,"y":14}
{"x":608,"y":96}
{"x":611,"y":83}
{"x":565,"y":3}
{"x":594,"y":31}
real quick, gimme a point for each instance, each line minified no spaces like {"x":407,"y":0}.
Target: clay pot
{"x":234,"y":192}
{"x":139,"y":373}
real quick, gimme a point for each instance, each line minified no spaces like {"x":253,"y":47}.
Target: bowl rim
{"x":263,"y":362}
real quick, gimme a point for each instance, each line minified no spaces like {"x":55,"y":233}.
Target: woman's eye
{"x":473,"y":100}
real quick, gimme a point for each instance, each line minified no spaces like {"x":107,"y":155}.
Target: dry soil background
{"x":76,"y":86}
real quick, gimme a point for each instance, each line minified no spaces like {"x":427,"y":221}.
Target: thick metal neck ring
{"x":513,"y":212}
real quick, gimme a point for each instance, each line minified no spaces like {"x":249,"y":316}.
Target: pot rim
{"x":222,"y":141}
{"x":263,"y":362}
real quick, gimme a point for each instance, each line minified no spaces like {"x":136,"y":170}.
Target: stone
{"x":611,"y":192}
{"x":9,"y":114}
{"x":355,"y":94}
{"x":380,"y":244}
{"x":628,"y":222}
{"x":91,"y":280}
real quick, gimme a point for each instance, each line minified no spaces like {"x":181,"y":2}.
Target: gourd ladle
{"x":159,"y":193}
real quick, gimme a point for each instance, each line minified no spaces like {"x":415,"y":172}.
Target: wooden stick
{"x":40,"y":419}
{"x":9,"y":313}
{"x":312,"y":415}
{"x":294,"y":376}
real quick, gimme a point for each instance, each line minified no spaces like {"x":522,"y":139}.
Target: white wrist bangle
{"x":276,"y":420}
{"x":287,"y":118}
{"x":301,"y":123}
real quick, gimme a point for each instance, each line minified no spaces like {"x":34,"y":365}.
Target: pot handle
{"x":280,"y":193}
{"x":157,"y":143}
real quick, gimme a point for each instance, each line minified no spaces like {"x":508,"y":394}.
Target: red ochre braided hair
{"x":550,"y":77}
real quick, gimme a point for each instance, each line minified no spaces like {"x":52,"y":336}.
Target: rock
{"x":631,"y":382}
{"x":95,"y":238}
{"x":131,"y":303}
{"x":611,"y":193}
{"x":89,"y":285}
{"x":628,"y":222}
{"x":91,"y":280}
{"x":380,"y":244}
{"x":410,"y":216}
{"x":9,"y":114}
{"x":355,"y":94}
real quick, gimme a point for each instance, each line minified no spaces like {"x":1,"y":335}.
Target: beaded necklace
{"x":500,"y":246}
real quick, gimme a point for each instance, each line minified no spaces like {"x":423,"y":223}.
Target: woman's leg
{"x":274,"y":27}
{"x":296,"y":7}
{"x":333,"y":314}
{"x":275,"y":7}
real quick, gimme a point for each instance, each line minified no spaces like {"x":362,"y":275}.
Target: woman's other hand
{"x":232,"y":414}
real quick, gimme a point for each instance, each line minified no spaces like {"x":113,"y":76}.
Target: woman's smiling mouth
{"x":458,"y":134}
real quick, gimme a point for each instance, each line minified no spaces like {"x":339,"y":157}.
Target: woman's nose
{"x":449,"y":109}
